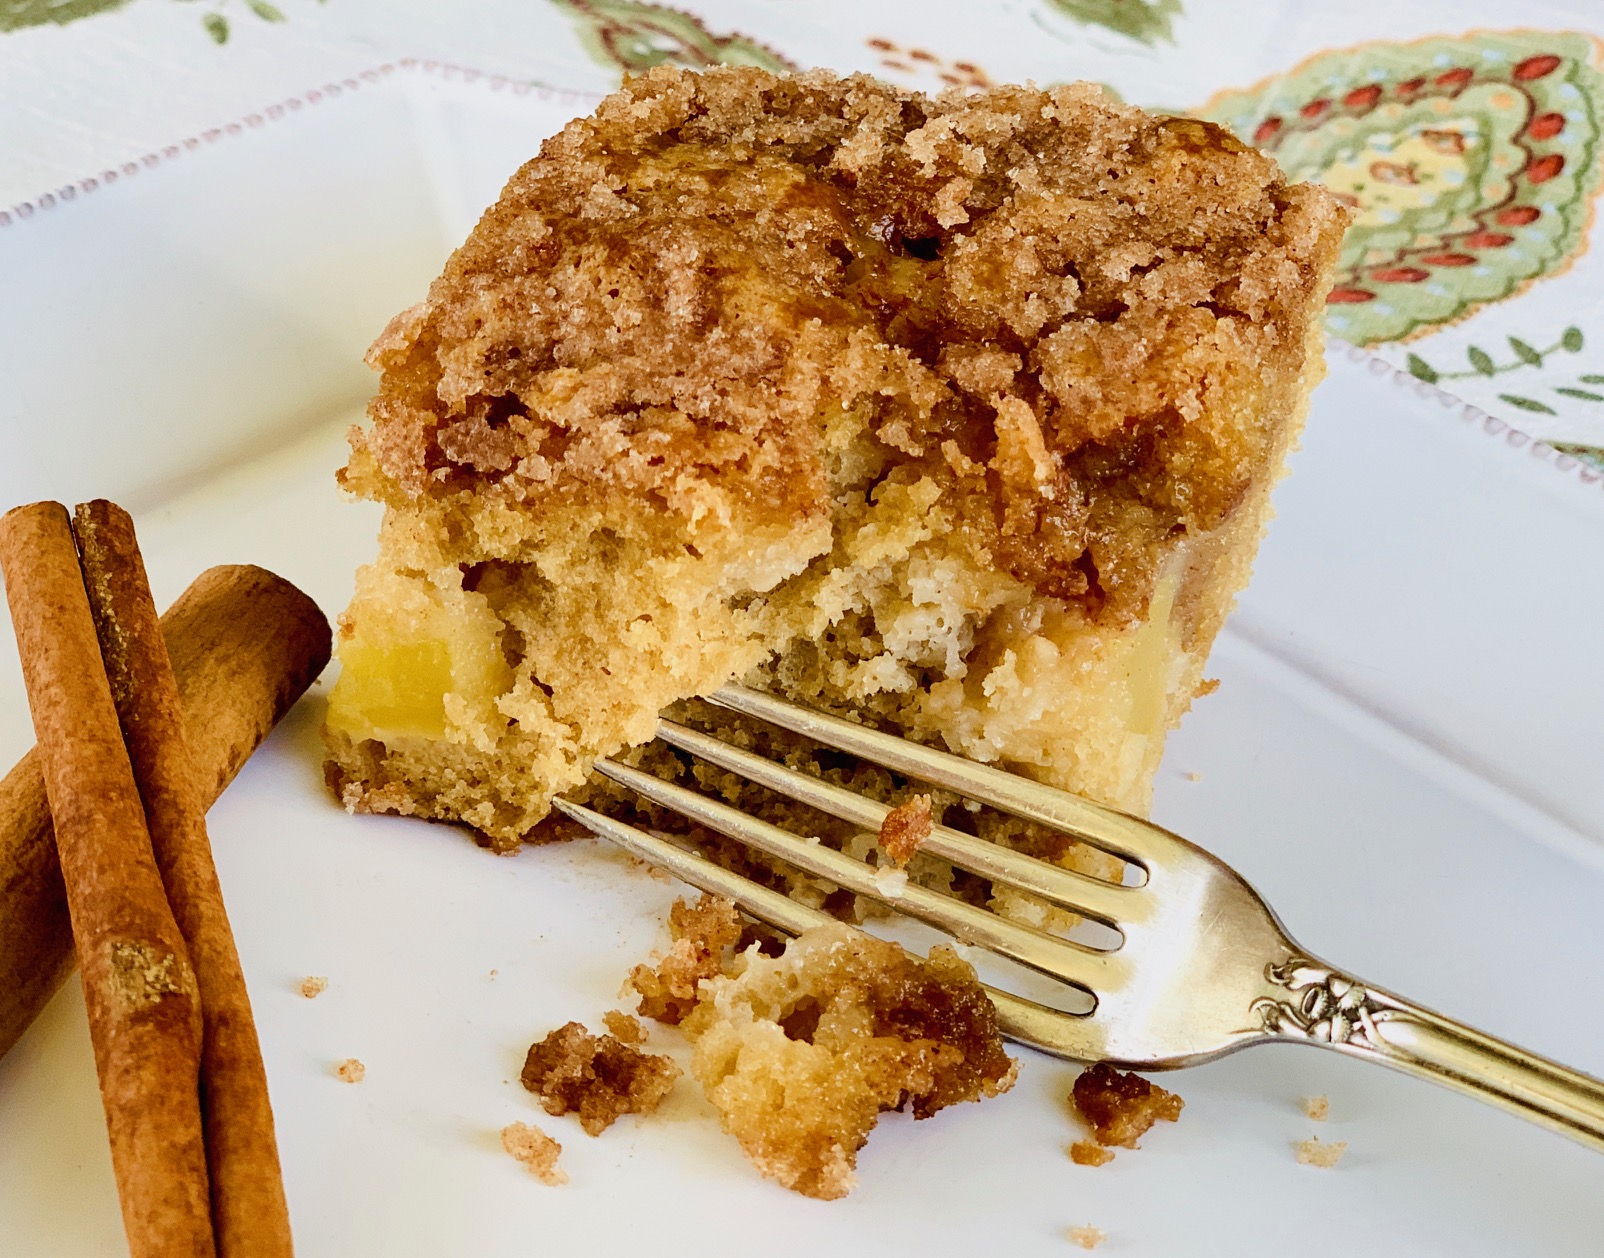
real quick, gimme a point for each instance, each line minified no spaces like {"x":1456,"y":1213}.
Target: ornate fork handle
{"x":1325,"y":1006}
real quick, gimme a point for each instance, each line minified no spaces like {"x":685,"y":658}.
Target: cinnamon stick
{"x":250,"y":1218}
{"x":139,"y":988}
{"x":245,"y":645}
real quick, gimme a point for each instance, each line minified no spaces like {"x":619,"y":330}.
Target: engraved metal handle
{"x":1315,"y":1003}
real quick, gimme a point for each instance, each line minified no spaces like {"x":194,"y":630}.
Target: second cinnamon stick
{"x":249,"y":1215}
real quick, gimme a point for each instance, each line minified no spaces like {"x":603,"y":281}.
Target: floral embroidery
{"x":1141,"y":20}
{"x":16,"y":14}
{"x":635,"y":36}
{"x":920,"y":62}
{"x":1471,"y":163}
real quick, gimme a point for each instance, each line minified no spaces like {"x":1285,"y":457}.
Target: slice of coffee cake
{"x":961,"y":414}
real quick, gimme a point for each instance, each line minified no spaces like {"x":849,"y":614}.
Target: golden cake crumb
{"x":596,"y":1076}
{"x":905,"y":829}
{"x":536,"y":1150}
{"x":624,"y":1028}
{"x":1317,"y":1107}
{"x":314,"y":985}
{"x":1090,"y":1153}
{"x":1194,"y":777}
{"x":1087,"y":1237}
{"x":1317,"y":1152}
{"x":1119,"y":1106}
{"x":703,"y":933}
{"x":802,"y":1052}
{"x":351,"y":1071}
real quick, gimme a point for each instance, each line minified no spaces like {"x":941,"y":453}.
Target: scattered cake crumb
{"x":1194,"y":777}
{"x":890,"y":882}
{"x":493,"y":973}
{"x":313,"y":985}
{"x":536,"y":1150}
{"x":596,"y":1076}
{"x":905,"y":829}
{"x":1120,"y":1107}
{"x":1087,"y":1237}
{"x":1317,"y":1152}
{"x":1090,"y":1153}
{"x":1317,"y":1108}
{"x":351,"y":1071}
{"x":801,"y":1053}
{"x":624,"y":1028}
{"x":702,"y":933}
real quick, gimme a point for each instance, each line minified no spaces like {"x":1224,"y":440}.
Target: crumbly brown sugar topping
{"x":1067,"y":311}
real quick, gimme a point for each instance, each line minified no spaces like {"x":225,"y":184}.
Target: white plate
{"x":1410,"y":699}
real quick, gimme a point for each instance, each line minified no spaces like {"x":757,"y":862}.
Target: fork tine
{"x":1060,"y":958}
{"x":1092,"y":897}
{"x":1068,"y":1035}
{"x":1103,"y":828}
{"x":763,"y":903}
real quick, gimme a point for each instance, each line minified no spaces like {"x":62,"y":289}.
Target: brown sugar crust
{"x":1084,"y":322}
{"x":802,"y":1052}
{"x":1120,"y":1107}
{"x":597,"y":1077}
{"x":703,"y":935}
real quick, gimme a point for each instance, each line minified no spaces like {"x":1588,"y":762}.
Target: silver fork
{"x":1203,"y":967}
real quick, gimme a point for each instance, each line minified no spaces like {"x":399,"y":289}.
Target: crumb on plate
{"x":314,"y":985}
{"x":801,"y":1053}
{"x":1119,"y":1106}
{"x":351,"y":1071}
{"x":624,"y":1028}
{"x":702,"y":934}
{"x":1087,"y":1237}
{"x":536,"y":1150}
{"x":1317,"y":1108}
{"x":1317,"y":1152}
{"x":596,"y":1076}
{"x":1090,"y":1153}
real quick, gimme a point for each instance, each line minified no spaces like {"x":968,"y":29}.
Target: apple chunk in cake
{"x":961,"y":414}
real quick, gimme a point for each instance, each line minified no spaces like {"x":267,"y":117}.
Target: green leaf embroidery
{"x":634,"y":36}
{"x":1571,"y":339}
{"x":16,"y":14}
{"x":217,"y":27}
{"x":1581,"y":393}
{"x":265,"y":11}
{"x":1142,"y":20}
{"x":1588,"y":454}
{"x":1525,"y":352}
{"x":1593,"y":379}
{"x":1420,"y":369}
{"x":1527,"y":404}
{"x":1480,"y":360}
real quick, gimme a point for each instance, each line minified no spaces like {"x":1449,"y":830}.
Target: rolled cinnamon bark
{"x":139,"y":988}
{"x":245,"y":645}
{"x":250,"y":1218}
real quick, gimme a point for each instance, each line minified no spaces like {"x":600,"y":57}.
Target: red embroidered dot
{"x":1517,"y":216}
{"x":1545,"y":168}
{"x":1486,"y":240}
{"x":1536,"y":67}
{"x":1545,"y":126}
{"x":1455,"y":78}
{"x":1449,"y":259}
{"x":1343,"y":296}
{"x":1362,"y":97}
{"x":1400,"y":275}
